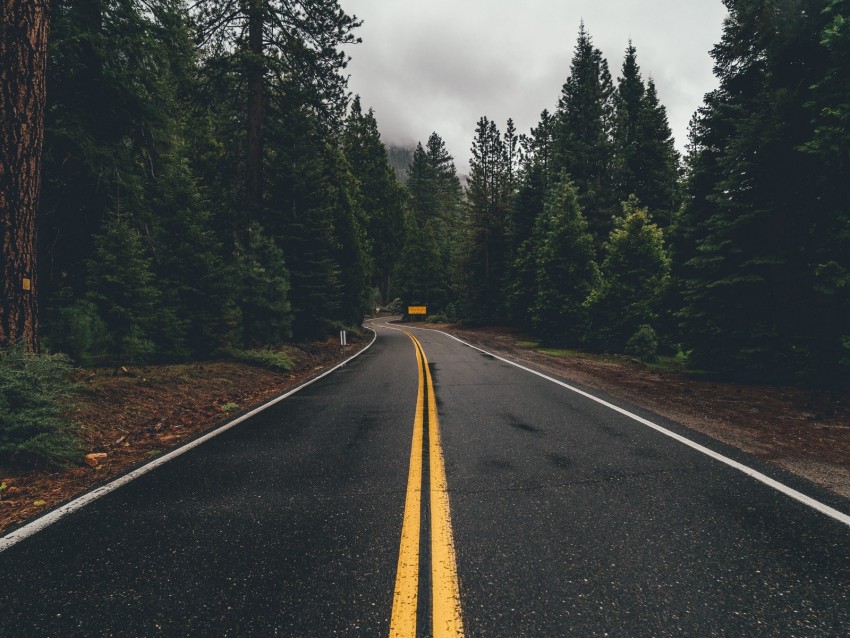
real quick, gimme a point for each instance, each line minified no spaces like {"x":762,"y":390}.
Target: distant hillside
{"x":400,"y":159}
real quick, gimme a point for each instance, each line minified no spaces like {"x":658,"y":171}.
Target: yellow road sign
{"x":417,"y":310}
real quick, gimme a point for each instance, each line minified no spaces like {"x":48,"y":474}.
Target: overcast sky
{"x":439,"y":65}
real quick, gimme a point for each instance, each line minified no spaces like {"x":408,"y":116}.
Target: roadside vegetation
{"x":35,"y":391}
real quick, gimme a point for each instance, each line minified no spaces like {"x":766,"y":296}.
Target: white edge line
{"x":763,"y":478}
{"x":78,"y":503}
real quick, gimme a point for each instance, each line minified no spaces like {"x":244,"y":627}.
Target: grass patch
{"x":677,"y":363}
{"x":276,"y":360}
{"x":561,"y":352}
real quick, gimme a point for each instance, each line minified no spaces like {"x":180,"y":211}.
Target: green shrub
{"x":272,"y":359}
{"x":32,"y":428}
{"x":80,"y":333}
{"x":643,"y":344}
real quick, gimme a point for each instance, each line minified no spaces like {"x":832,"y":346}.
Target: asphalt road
{"x":564,"y":518}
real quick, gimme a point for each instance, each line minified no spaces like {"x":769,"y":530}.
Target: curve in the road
{"x":815,"y":504}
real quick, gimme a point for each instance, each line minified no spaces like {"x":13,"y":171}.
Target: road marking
{"x":78,"y":503}
{"x":823,"y":508}
{"x":445,"y":589}
{"x":406,"y":595}
{"x":445,"y":596}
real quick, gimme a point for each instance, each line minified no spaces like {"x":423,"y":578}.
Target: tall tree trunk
{"x":24,"y":29}
{"x":254,"y":166}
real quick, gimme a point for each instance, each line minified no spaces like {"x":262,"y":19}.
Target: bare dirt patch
{"x":804,"y":431}
{"x":132,"y":415}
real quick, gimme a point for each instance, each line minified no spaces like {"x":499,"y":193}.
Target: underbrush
{"x":34,"y":390}
{"x":277,"y":360}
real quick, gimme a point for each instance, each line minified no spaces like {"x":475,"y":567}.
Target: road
{"x":428,"y":488}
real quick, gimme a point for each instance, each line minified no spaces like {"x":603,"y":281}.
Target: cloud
{"x":440,"y":65}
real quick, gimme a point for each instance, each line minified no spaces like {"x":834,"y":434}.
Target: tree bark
{"x":24,"y":30}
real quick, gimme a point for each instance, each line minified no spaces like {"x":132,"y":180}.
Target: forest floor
{"x":127,"y":418}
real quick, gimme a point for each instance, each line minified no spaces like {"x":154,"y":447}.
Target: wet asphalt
{"x":569,"y":519}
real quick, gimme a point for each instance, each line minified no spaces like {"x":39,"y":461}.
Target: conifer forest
{"x":181,"y":179}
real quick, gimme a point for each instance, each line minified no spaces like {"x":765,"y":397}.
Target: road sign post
{"x":417,"y":311}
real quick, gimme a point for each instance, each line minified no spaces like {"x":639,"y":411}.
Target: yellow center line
{"x":444,"y":581}
{"x":406,"y":595}
{"x":446,"y":612}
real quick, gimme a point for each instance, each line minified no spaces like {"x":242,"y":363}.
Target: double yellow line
{"x":445,"y":591}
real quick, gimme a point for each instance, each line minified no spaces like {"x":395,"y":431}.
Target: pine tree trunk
{"x":24,"y":29}
{"x":254,"y":167}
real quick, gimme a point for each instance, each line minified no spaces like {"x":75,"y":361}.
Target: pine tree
{"x":422,"y":279}
{"x":567,"y":272}
{"x":24,"y":29}
{"x":449,"y":202}
{"x":484,"y":264}
{"x":435,"y":200}
{"x":751,"y":307}
{"x":121,"y":138}
{"x":659,"y":188}
{"x":829,"y":110}
{"x":379,"y":193}
{"x":583,"y":135}
{"x":273,"y":40}
{"x":526,"y":207}
{"x":301,"y":214}
{"x":629,"y":119}
{"x":353,"y":248}
{"x":263,"y":291}
{"x":121,"y":285}
{"x":636,"y":273}
{"x":647,"y":160}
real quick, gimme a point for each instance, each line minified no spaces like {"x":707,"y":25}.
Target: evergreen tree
{"x":302,"y":215}
{"x":272,"y":40}
{"x":583,"y":135}
{"x":636,"y":273}
{"x":829,"y":110}
{"x":121,"y":286}
{"x":751,"y":305}
{"x":647,"y":160}
{"x":526,"y":207}
{"x":435,"y":199}
{"x":484,"y":264}
{"x":98,"y":132}
{"x":629,"y":115}
{"x":379,"y":193}
{"x":119,"y":139}
{"x":263,"y":291}
{"x":422,"y":279}
{"x":567,"y":272}
{"x":353,"y":249}
{"x":658,"y":189}
{"x":420,"y":184}
{"x":449,"y":197}
{"x":24,"y":28}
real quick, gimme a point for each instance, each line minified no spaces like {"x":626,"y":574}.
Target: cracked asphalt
{"x":568,"y":519}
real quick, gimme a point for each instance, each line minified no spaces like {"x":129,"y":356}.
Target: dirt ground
{"x":128,"y":418}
